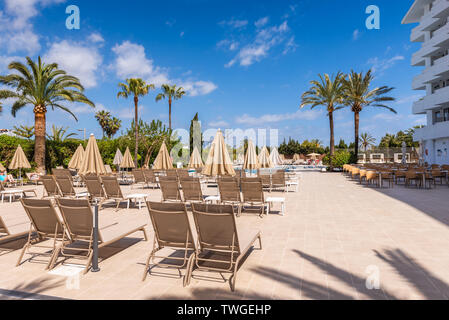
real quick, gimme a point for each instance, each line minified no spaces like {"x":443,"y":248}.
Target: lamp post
{"x":84,"y":131}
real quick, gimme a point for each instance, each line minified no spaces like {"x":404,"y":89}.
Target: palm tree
{"x":58,"y":134}
{"x":137,"y":88}
{"x":113,"y":126}
{"x":366,"y":141}
{"x":103,"y":117}
{"x":359,"y":95}
{"x":171,"y":93}
{"x":24,"y":131}
{"x":41,"y":85}
{"x":328,"y":92}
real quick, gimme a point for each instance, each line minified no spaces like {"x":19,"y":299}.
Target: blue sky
{"x":244,"y":64}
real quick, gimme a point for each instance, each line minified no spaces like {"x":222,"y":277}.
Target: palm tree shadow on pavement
{"x":422,"y":279}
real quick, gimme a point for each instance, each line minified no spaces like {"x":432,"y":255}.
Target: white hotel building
{"x":433,"y":32}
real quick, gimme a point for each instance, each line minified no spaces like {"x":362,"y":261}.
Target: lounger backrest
{"x":50,"y":185}
{"x":169,"y":188}
{"x":2,"y":188}
{"x":90,"y":177}
{"x":182,"y":173}
{"x":149,"y":176}
{"x":138,"y":176}
{"x":191,"y":188}
{"x":216,"y":227}
{"x":78,"y":217}
{"x":171,"y":173}
{"x":111,"y":187}
{"x":252,"y":190}
{"x":171,"y":224}
{"x":95,"y":188}
{"x":65,"y":185}
{"x":43,"y":216}
{"x":108,"y":168}
{"x":278,"y":178}
{"x":229,"y":190}
{"x":62,"y":173}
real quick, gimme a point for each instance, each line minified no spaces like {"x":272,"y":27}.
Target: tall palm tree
{"x":137,"y":88}
{"x":171,"y":93}
{"x":359,"y":95}
{"x":328,"y":92}
{"x":41,"y":85}
{"x":366,"y":141}
{"x":103,"y":117}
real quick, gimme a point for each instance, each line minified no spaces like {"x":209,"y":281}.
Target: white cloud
{"x":381,"y":65}
{"x":290,"y":46}
{"x":409,"y":99}
{"x":78,"y":60}
{"x":218,"y":124}
{"x":388,"y":117}
{"x":264,"y":40}
{"x":230,"y":45}
{"x":356,"y":34}
{"x":83,"y":108}
{"x":131,"y":61}
{"x":261,"y":22}
{"x":198,"y":88}
{"x":6,"y":60}
{"x":233,"y":23}
{"x":17,"y":31}
{"x":272,"y":118}
{"x":96,"y":38}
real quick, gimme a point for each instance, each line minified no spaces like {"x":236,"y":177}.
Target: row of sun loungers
{"x":210,"y":241}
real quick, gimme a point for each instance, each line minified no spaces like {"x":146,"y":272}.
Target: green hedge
{"x":340,"y":158}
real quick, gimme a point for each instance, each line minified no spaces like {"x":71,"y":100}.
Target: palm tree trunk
{"x":169,"y":113}
{"x":332,"y":142}
{"x":136,"y":125}
{"x":39,"y":143}
{"x":356,"y":134}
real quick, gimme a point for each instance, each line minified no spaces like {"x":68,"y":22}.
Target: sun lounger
{"x":114,"y":192}
{"x":170,"y":189}
{"x":230,"y":192}
{"x":78,"y":223}
{"x":66,"y":187}
{"x":172,"y":229}
{"x":221,"y":246}
{"x":13,"y":225}
{"x":191,"y":189}
{"x":252,"y":193}
{"x":50,"y":187}
{"x":46,"y":223}
{"x":95,"y":189}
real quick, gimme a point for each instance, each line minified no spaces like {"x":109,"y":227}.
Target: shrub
{"x":340,"y":158}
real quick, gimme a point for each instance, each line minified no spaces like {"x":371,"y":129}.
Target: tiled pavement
{"x":334,"y":235}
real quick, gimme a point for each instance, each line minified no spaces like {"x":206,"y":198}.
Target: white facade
{"x":432,"y":31}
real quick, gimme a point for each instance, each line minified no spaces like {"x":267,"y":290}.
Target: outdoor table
{"x":135,"y":197}
{"x":12,"y":192}
{"x":212,"y":199}
{"x":272,"y":200}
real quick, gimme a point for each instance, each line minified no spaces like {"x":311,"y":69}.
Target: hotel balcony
{"x":431,"y":101}
{"x":431,"y":74}
{"x":440,"y":9}
{"x":436,"y":131}
{"x":417,"y":35}
{"x":440,"y":39}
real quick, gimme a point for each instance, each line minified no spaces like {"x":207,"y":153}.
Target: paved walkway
{"x":334,"y":235}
